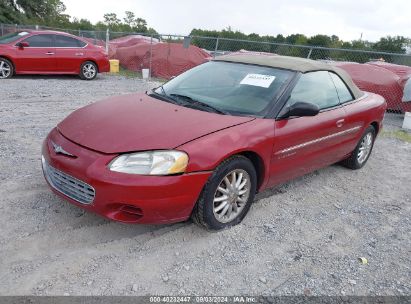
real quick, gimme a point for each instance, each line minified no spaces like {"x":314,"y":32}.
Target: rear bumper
{"x":104,"y":66}
{"x":124,"y":197}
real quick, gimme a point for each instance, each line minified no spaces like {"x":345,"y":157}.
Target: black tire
{"x":353,"y":161}
{"x":203,"y":212}
{"x":6,"y":68}
{"x":88,"y":70}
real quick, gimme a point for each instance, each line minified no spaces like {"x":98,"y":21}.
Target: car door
{"x":354,"y":114}
{"x":38,"y":56}
{"x":70,"y":53}
{"x":303,"y":144}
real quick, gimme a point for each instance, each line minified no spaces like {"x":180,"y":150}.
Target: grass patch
{"x":132,"y":74}
{"x":127,"y":73}
{"x":398,"y":134}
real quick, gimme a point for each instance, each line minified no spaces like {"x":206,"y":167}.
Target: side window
{"x":316,"y":88}
{"x":343,"y":92}
{"x":40,"y":41}
{"x":68,"y":42}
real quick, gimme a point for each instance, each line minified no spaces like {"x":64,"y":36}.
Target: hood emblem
{"x":59,"y":150}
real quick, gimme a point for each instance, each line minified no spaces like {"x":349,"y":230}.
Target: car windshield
{"x":230,"y":88}
{"x":12,"y":37}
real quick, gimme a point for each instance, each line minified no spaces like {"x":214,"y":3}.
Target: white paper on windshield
{"x":258,"y":80}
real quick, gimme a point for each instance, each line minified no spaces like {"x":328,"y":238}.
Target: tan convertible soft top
{"x":292,"y":63}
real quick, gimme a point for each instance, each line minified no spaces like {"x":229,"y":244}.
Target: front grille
{"x":68,"y":185}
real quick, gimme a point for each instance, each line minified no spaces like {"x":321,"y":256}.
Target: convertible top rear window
{"x":236,"y":88}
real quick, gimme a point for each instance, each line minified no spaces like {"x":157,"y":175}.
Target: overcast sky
{"x":344,"y":18}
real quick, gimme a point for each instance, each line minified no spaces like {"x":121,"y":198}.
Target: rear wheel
{"x":362,"y":152}
{"x":6,"y":68}
{"x":228,"y":195}
{"x":88,"y":70}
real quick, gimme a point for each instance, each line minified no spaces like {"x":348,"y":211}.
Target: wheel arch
{"x":258,"y":164}
{"x":93,"y":61}
{"x":11,"y":61}
{"x":257,"y":161}
{"x":376,"y":127}
{"x":199,"y":213}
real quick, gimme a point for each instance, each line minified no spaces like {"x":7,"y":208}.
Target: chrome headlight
{"x":151,"y":163}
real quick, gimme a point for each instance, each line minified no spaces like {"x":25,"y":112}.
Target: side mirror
{"x":23,"y":44}
{"x":300,"y":109}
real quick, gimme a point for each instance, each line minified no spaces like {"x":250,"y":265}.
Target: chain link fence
{"x":165,"y":56}
{"x":219,"y":46}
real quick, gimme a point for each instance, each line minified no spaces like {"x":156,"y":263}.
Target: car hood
{"x":139,"y":122}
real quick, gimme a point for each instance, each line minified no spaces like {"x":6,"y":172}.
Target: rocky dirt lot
{"x":304,"y":237}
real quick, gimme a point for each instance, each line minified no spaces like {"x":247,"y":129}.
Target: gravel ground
{"x":304,"y":237}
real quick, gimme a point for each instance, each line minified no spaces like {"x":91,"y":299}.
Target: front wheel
{"x":88,"y":70}
{"x":6,"y":68}
{"x":228,"y":195}
{"x":362,"y":152}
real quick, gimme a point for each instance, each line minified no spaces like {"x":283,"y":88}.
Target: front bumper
{"x":124,"y":197}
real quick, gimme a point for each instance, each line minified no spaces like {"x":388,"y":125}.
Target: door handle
{"x":49,"y":53}
{"x":340,"y":123}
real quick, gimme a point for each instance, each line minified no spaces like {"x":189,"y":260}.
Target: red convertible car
{"x":205,"y":142}
{"x":48,"y":52}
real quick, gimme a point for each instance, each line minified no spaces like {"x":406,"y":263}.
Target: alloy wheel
{"x":365,"y":148}
{"x":231,"y":195}
{"x":89,"y":70}
{"x":5,"y":69}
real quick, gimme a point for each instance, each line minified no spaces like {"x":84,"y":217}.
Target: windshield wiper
{"x":163,"y":91}
{"x":194,"y":102}
{"x":164,"y":95}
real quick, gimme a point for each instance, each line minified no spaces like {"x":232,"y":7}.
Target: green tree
{"x":9,"y":13}
{"x":391,"y":44}
{"x":152,"y":31}
{"x":39,"y":11}
{"x":130,"y":19}
{"x":51,"y":13}
{"x":296,"y":39}
{"x":82,"y":24}
{"x":111,"y":20}
{"x":140,"y":25}
{"x":100,"y":26}
{"x":320,"y":40}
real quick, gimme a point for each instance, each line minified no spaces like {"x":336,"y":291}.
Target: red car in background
{"x":49,"y":52}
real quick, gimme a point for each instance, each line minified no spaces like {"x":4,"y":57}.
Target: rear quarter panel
{"x":98,"y":56}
